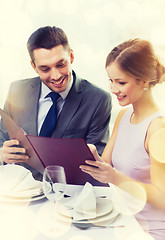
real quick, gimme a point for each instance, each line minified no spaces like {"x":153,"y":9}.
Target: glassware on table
{"x":54,"y":181}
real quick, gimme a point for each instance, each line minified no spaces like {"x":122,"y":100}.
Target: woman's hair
{"x":47,"y":37}
{"x":137,"y":58}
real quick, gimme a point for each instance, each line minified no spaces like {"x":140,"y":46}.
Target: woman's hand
{"x":100,"y":170}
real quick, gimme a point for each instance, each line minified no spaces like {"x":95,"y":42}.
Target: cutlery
{"x":84,"y":226}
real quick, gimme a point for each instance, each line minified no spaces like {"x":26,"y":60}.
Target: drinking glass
{"x":54,"y":181}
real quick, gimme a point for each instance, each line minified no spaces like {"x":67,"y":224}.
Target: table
{"x":35,"y":221}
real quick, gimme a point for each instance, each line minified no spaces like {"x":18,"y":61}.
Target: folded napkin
{"x":17,"y":181}
{"x":83,"y":204}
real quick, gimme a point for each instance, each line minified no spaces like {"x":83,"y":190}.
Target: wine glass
{"x":54,"y":182}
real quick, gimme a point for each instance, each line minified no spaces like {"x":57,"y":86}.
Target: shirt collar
{"x":45,"y":90}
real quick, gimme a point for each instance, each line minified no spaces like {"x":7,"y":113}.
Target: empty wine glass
{"x":54,"y":181}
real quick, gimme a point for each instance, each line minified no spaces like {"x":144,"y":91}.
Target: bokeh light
{"x":50,"y":222}
{"x":156,"y":146}
{"x":15,"y":32}
{"x":35,"y":7}
{"x":111,"y":9}
{"x":18,"y":226}
{"x":69,"y":7}
{"x":142,"y":236}
{"x":92,"y":17}
{"x":130,"y":201}
{"x":79,"y":237}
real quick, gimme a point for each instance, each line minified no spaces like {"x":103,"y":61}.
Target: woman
{"x":133,"y":70}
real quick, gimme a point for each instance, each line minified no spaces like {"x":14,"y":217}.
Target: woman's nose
{"x":114,"y":88}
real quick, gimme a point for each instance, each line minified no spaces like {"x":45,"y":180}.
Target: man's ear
{"x":71,"y":56}
{"x":33,"y":66}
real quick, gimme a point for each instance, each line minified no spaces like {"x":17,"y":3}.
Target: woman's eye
{"x":122,"y":83}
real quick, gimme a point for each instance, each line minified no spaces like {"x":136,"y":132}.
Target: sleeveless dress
{"x":130,"y":158}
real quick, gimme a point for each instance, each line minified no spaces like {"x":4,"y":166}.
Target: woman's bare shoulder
{"x":156,"y":124}
{"x":121,"y":114}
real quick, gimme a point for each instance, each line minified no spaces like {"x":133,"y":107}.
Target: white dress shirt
{"x":46,"y":103}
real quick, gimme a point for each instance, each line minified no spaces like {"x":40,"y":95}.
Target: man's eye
{"x":61,"y":64}
{"x":45,"y":70}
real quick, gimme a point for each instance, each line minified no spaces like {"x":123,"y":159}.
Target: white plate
{"x":21,"y":199}
{"x":103,"y":206}
{"x":26,"y":193}
{"x":17,"y":197}
{"x":102,"y":220}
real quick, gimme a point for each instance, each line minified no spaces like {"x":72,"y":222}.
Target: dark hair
{"x":137,"y":58}
{"x":47,"y":37}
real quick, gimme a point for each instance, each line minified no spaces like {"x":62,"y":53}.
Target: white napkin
{"x":83,"y":204}
{"x":17,"y":181}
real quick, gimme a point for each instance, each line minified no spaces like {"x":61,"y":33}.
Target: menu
{"x":44,"y":151}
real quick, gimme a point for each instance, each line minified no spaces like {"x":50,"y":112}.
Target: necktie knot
{"x":53,"y":95}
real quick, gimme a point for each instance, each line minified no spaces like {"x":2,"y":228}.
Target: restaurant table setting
{"x":17,"y":184}
{"x":75,"y":213}
{"x":86,"y":208}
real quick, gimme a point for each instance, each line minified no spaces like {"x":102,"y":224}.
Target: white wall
{"x":94,"y":27}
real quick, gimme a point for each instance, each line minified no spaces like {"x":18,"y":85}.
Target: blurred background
{"x":93,"y":27}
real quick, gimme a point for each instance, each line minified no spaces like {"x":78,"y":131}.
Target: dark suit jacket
{"x":85,"y":114}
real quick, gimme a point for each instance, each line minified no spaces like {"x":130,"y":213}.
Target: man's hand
{"x":12,"y":152}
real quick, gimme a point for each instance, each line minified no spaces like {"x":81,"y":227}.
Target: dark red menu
{"x":44,"y":151}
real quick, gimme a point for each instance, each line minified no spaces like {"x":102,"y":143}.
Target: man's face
{"x":54,"y":67}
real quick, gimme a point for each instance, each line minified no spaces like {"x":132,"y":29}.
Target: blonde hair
{"x":137,"y":58}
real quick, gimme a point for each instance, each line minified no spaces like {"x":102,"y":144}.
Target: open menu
{"x":44,"y":151}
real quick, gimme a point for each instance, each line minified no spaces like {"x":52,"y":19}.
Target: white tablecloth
{"x":27,"y":221}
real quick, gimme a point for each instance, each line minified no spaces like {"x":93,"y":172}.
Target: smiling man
{"x":83,"y":110}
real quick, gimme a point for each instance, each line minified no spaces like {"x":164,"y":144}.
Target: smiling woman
{"x":134,"y":69}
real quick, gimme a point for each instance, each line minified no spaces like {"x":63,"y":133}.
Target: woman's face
{"x":125,"y":87}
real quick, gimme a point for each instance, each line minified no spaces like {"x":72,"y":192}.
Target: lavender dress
{"x":130,"y":158}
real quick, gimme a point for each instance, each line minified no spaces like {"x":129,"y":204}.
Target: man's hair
{"x":47,"y":37}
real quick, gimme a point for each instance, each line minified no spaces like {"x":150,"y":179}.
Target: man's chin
{"x":57,"y":89}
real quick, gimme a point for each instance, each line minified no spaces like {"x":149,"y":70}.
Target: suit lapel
{"x":31,"y":118}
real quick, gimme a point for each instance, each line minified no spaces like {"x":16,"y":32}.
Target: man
{"x":83,"y":109}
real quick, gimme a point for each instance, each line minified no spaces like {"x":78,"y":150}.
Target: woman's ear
{"x":145,"y":85}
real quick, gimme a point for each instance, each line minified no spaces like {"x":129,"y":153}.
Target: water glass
{"x":54,"y":181}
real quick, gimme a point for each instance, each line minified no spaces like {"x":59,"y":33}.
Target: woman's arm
{"x":155,"y":192}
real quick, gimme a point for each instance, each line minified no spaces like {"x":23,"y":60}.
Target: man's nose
{"x":55,"y":74}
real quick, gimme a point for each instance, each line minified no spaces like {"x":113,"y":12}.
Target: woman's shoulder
{"x":119,"y":117}
{"x":156,"y":124}
{"x":121,"y":114}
